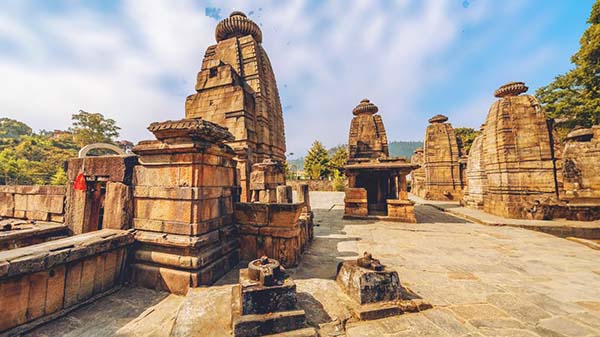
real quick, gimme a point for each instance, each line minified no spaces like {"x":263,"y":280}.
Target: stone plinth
{"x":518,"y":155}
{"x":183,"y":206}
{"x":476,"y":177}
{"x":259,"y":309}
{"x":441,"y":161}
{"x":401,"y":210}
{"x":355,"y":203}
{"x":236,"y":88}
{"x":274,"y":230}
{"x":377,"y":291}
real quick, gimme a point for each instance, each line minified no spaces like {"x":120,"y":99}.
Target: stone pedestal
{"x":401,"y":210}
{"x":355,"y":203}
{"x":183,"y":210}
{"x":377,"y":293}
{"x":264,"y":302}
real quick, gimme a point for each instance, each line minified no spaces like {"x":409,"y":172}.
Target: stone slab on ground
{"x":482,"y":281}
{"x":559,"y":227}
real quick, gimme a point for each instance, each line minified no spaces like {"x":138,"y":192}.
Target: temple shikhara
{"x":376,"y":181}
{"x":203,"y":230}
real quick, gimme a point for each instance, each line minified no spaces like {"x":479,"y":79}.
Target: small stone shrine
{"x":265,"y":302}
{"x":417,"y":175}
{"x":376,"y":182}
{"x":475,"y":176}
{"x":441,"y":161}
{"x":236,"y":89}
{"x":375,"y":289}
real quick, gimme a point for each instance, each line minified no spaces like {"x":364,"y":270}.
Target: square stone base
{"x":256,"y":298}
{"x":401,"y":210}
{"x":263,"y":324}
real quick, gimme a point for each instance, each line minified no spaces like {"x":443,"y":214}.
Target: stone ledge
{"x":49,"y":254}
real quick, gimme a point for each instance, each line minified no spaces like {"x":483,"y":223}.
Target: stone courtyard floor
{"x":481,"y":280}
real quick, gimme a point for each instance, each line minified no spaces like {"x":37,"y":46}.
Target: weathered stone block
{"x":368,"y":286}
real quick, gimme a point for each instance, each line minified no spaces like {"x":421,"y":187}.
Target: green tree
{"x":316,"y":163}
{"x":338,"y":161}
{"x":465,"y":138}
{"x":10,"y":128}
{"x":89,"y":128}
{"x":59,"y":177}
{"x":573,"y":98}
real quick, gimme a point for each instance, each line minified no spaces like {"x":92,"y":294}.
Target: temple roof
{"x":365,"y":107}
{"x":511,"y":89}
{"x":237,"y":25}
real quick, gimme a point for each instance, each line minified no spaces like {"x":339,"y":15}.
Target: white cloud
{"x":326,"y":56}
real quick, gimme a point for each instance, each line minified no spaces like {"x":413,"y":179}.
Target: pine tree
{"x":316,"y":163}
{"x":574,"y":98}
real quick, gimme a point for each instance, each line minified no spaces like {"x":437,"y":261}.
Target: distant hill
{"x":403,"y":149}
{"x":396,"y":148}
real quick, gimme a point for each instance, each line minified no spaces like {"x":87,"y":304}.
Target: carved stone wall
{"x":581,"y":167}
{"x":236,"y":88}
{"x":441,"y":161}
{"x":417,"y":184}
{"x":476,"y":186}
{"x":518,"y":154}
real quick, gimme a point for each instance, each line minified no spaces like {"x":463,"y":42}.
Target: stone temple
{"x":236,"y":88}
{"x":476,"y":188}
{"x":443,"y":176}
{"x":376,"y":182}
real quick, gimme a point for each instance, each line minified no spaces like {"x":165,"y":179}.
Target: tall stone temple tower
{"x":518,"y":154}
{"x":236,"y":88}
{"x":441,"y":161}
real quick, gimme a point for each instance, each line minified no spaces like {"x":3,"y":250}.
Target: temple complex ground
{"x":481,"y":281}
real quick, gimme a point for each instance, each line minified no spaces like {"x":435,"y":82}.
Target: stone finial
{"x":438,"y":119}
{"x":237,"y":25}
{"x":511,"y":89}
{"x":365,"y":107}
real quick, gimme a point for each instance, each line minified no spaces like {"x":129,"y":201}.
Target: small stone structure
{"x":265,"y":302}
{"x":375,"y":289}
{"x":183,"y":206}
{"x":38,"y":202}
{"x":443,"y":180}
{"x":476,"y":178}
{"x":518,"y":155}
{"x":265,"y":179}
{"x":236,"y":88}
{"x":376,"y":182}
{"x":106,"y":201}
{"x":418,"y":175}
{"x":44,"y":281}
{"x":581,"y":174}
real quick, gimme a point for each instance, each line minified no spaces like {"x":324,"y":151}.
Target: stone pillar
{"x":403,"y":194}
{"x":304,"y":196}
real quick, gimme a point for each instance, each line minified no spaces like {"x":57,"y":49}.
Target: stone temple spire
{"x":368,"y":139}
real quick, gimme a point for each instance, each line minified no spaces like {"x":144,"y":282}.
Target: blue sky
{"x":136,"y":61}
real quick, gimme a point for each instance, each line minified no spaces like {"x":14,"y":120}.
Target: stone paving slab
{"x":482,"y":280}
{"x":560,"y":227}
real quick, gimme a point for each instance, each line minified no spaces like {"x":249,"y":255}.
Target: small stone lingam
{"x":265,"y":302}
{"x":376,"y":289}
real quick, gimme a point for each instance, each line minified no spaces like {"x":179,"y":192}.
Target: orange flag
{"x":80,"y":182}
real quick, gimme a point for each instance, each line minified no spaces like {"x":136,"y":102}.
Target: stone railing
{"x":36,"y":202}
{"x":44,"y":281}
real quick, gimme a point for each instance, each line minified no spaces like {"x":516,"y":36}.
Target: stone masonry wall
{"x":42,"y":202}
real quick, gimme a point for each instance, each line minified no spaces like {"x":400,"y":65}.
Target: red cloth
{"x":80,"y":182}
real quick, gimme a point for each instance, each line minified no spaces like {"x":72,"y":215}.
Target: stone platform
{"x":482,"y":281}
{"x":15,"y":233}
{"x":560,"y":227}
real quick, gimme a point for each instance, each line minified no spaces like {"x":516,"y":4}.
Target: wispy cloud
{"x":137,"y":60}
